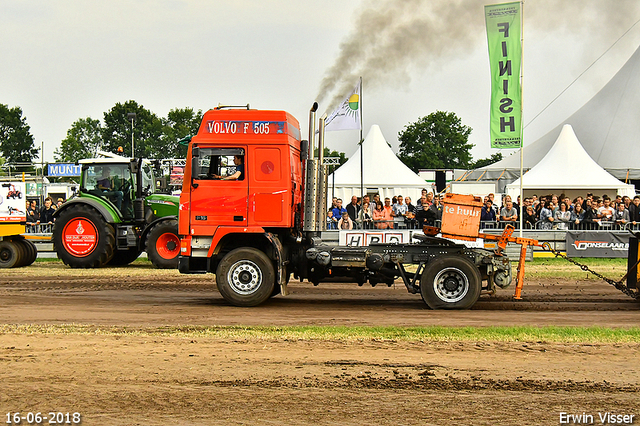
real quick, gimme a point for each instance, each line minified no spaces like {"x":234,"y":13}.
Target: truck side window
{"x":221,"y":164}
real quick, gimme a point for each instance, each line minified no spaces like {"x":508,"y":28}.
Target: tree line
{"x":154,"y":137}
{"x":436,"y":141}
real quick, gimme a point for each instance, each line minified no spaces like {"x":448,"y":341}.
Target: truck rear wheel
{"x":82,"y":238}
{"x":245,"y":277}
{"x":450,"y":282}
{"x":163,"y":245}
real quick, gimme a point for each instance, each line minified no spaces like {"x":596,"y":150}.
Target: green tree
{"x":486,"y":161}
{"x":16,"y":140}
{"x":437,"y":141}
{"x":83,"y":139}
{"x":178,"y":124}
{"x":147,"y":130}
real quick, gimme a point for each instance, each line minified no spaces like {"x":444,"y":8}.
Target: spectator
{"x":353,"y":208}
{"x":410,"y":218}
{"x":46,"y":215}
{"x":387,"y":206}
{"x":380,"y":217}
{"x":634,"y":210}
{"x":399,"y":212}
{"x":338,"y":210}
{"x":423,"y":194}
{"x":517,"y":205}
{"x":59,"y":203}
{"x":331,"y":222}
{"x":365,"y":216}
{"x":562,"y":216}
{"x":376,"y":198}
{"x":421,"y":211}
{"x":487,"y":213}
{"x":605,"y":213}
{"x":621,"y":215}
{"x":577,"y":215}
{"x":508,"y":212}
{"x":590,"y":219}
{"x":627,"y":202}
{"x":546,"y":216}
{"x":434,"y":212}
{"x":529,"y":219}
{"x":345,"y":222}
{"x":32,"y":216}
{"x":36,"y":213}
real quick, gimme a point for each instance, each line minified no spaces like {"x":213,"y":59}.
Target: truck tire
{"x":82,"y":238}
{"x":163,"y":245}
{"x":450,"y":282}
{"x":245,"y":277}
{"x":9,"y":254}
{"x":124,"y":257}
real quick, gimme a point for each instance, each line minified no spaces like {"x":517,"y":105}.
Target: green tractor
{"x":115,"y":216}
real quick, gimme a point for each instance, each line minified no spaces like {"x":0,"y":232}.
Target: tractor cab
{"x":119,"y":181}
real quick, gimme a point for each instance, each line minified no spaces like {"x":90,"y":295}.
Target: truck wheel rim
{"x":168,"y":245}
{"x":451,"y":285}
{"x":244,"y":277}
{"x":80,"y":237}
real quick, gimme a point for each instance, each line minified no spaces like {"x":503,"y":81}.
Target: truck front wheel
{"x":450,"y":282}
{"x":245,"y":277}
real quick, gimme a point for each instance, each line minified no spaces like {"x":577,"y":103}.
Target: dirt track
{"x":154,"y":378}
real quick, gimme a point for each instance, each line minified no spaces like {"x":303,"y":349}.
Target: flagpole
{"x":521,"y":205}
{"x":361,"y":146}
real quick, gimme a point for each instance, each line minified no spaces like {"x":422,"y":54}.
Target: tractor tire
{"x":450,"y":282}
{"x":9,"y":254}
{"x":245,"y":277}
{"x":124,"y":257}
{"x":32,"y":252}
{"x":82,"y":238}
{"x":163,"y":245}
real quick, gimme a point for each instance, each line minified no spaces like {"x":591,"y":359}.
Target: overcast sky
{"x":68,"y":59}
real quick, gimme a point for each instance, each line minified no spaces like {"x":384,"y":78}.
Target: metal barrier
{"x":39,"y":228}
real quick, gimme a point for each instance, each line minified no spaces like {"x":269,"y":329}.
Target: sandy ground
{"x":153,"y":378}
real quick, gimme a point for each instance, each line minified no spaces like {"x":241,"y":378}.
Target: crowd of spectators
{"x":562,"y":213}
{"x":549,"y":212}
{"x":40,"y":219}
{"x":397,"y":212}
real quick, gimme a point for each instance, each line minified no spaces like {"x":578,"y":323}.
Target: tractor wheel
{"x":124,"y":257}
{"x":163,"y":245}
{"x":82,"y":238}
{"x":245,"y":277}
{"x":450,"y":282}
{"x":32,"y":252}
{"x":9,"y":254}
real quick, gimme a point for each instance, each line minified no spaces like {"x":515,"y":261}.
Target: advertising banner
{"x":597,"y":244}
{"x":63,"y":170}
{"x":12,"y":202}
{"x":364,"y":237}
{"x":505,"y":56}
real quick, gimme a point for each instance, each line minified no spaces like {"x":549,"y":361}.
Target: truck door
{"x":219,"y":196}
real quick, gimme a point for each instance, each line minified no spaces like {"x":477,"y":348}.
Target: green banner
{"x":505,"y":56}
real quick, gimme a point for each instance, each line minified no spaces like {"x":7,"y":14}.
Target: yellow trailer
{"x":15,"y":250}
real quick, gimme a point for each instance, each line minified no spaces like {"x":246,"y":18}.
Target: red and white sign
{"x":80,"y":237}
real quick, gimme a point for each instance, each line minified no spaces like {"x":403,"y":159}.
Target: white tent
{"x":567,"y":168}
{"x":607,"y":125}
{"x":384,"y":173}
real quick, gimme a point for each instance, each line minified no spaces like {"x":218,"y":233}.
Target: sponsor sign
{"x":596,"y":244}
{"x":62,"y":170}
{"x":80,"y":237}
{"x":12,"y":202}
{"x":365,"y":237}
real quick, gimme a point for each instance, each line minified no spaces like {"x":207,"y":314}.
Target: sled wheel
{"x":9,"y":254}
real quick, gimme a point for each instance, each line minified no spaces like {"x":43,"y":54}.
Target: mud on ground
{"x":151,"y":377}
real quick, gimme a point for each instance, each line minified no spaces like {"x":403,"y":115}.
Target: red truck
{"x":253,"y":210}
